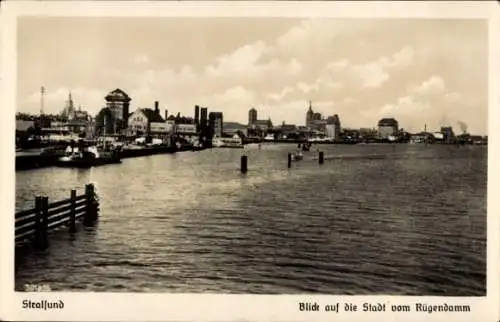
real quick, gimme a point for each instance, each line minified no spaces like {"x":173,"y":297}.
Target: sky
{"x":419,"y":71}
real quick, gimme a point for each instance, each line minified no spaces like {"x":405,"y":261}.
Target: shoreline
{"x":29,"y":160}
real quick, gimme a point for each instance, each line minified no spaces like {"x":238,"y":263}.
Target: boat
{"x":269,"y":137}
{"x":86,"y":157}
{"x":297,"y":156}
{"x":234,"y":142}
{"x":306,"y":146}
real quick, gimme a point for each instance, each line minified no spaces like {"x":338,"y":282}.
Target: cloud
{"x":371,"y":75}
{"x":452,"y":97}
{"x":360,"y":69}
{"x":426,"y":103}
{"x":242,"y":61}
{"x":141,"y":59}
{"x":434,"y":85}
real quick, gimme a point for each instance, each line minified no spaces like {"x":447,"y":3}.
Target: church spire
{"x":310,"y":108}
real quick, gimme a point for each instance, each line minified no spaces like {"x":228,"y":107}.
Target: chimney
{"x":166,"y":114}
{"x":157,"y":110}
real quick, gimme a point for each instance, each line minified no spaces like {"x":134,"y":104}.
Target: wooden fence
{"x":35,"y":224}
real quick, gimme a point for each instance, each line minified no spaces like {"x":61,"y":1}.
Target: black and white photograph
{"x":256,"y":154}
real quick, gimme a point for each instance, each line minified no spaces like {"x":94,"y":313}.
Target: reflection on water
{"x":414,"y":223}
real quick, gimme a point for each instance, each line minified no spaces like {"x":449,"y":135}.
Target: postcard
{"x":250,"y":161}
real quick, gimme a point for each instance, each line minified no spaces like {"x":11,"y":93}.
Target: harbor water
{"x":413,"y":223}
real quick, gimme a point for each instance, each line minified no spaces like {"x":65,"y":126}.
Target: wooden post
{"x":321,"y":157}
{"x":38,"y":221}
{"x":89,"y":216}
{"x":43,"y":242}
{"x":72,"y":215}
{"x":289,"y":160}
{"x":244,"y":163}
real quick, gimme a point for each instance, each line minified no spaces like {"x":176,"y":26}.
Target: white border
{"x":182,"y":307}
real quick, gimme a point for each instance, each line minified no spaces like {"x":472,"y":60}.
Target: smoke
{"x":463,"y":126}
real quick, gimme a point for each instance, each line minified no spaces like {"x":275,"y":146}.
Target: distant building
{"x":288,"y":128}
{"x":147,"y":121}
{"x":197,"y":115}
{"x":203,"y":118}
{"x":318,"y":125}
{"x":23,"y":126}
{"x":447,"y":132}
{"x":314,"y":120}
{"x":368,"y":133}
{"x":185,"y":129}
{"x":232,"y":128}
{"x":252,"y":116}
{"x":215,"y":121}
{"x":387,"y":127}
{"x":118,"y":102}
{"x":309,"y":114}
{"x":333,"y":127}
{"x":68,"y":112}
{"x":262,"y":124}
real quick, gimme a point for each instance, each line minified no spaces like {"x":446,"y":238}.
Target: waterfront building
{"x":257,"y":127}
{"x":24,"y":125}
{"x":68,"y":112}
{"x":203,"y":118}
{"x":118,"y":103}
{"x":147,"y":121}
{"x":331,"y":131}
{"x":333,"y":127}
{"x":197,"y":116}
{"x":252,"y":117}
{"x":314,"y":120}
{"x":318,"y":125}
{"x":185,"y":129}
{"x":215,"y":123}
{"x":447,"y":132}
{"x":309,"y":115}
{"x":387,"y":127}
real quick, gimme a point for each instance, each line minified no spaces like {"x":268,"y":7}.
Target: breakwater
{"x":32,"y":226}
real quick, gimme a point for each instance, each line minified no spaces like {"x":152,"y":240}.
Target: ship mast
{"x":104,"y":132}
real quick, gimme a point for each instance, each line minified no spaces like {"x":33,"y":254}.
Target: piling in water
{"x":90,"y":215}
{"x":244,"y":164}
{"x":289,"y":160}
{"x":321,"y":157}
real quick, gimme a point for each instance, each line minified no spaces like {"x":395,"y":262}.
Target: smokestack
{"x":157,"y":109}
{"x":166,"y":114}
{"x":196,"y":114}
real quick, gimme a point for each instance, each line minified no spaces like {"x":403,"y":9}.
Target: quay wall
{"x":34,"y":161}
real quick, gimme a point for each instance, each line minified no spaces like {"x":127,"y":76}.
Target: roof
{"x":260,"y":122}
{"x":117,"y":95}
{"x":234,"y":125}
{"x":151,"y":115}
{"x":387,"y":122}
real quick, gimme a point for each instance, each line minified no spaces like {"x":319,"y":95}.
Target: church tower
{"x":309,"y":114}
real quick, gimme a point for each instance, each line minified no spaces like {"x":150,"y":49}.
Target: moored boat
{"x":86,"y":157}
{"x":234,"y":142}
{"x":297,"y":156}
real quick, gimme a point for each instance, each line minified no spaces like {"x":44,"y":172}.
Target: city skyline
{"x":361,"y":69}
